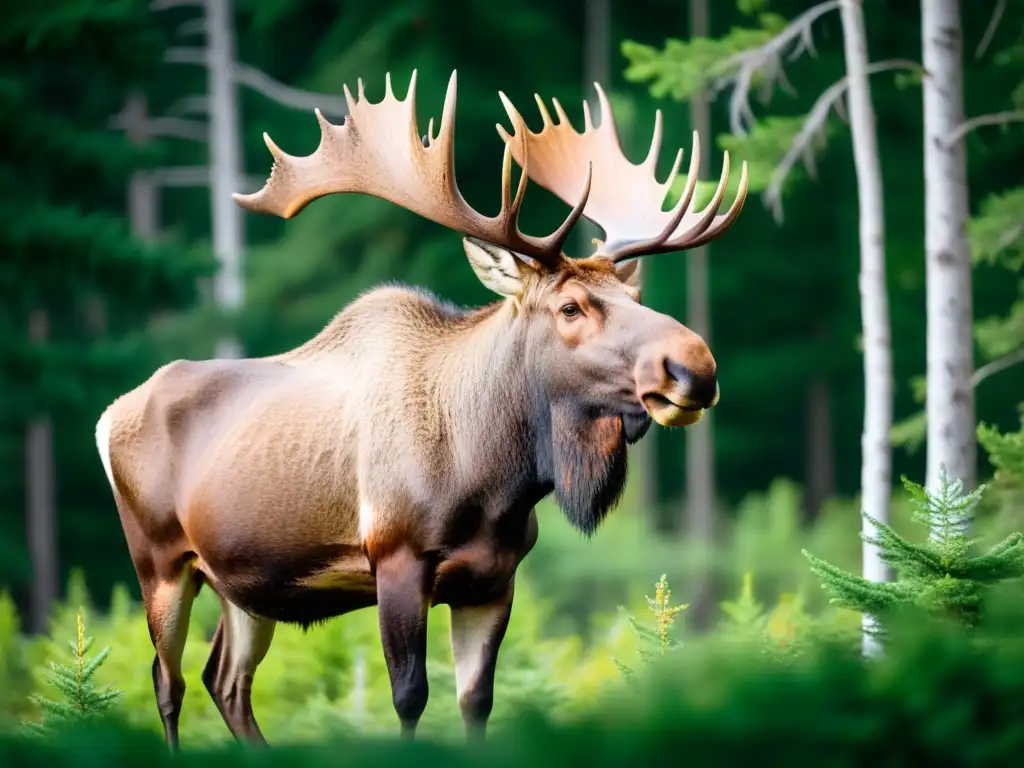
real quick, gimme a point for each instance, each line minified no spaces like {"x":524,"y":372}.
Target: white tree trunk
{"x":40,"y":503}
{"x":876,"y":462}
{"x":950,"y":397}
{"x":700,"y":447}
{"x":225,"y":162}
{"x":700,"y":444}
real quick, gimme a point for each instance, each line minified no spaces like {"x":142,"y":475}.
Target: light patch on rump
{"x":471,"y":630}
{"x":103,"y":427}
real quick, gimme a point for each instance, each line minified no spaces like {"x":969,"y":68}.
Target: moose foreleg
{"x":476,"y":636}
{"x":402,"y":610}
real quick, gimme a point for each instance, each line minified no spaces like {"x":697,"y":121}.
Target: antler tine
{"x":723,"y":222}
{"x":651,"y":161}
{"x":510,"y":208}
{"x":626,"y":198}
{"x":696,"y":229}
{"x":378,"y":151}
{"x":627,"y":249}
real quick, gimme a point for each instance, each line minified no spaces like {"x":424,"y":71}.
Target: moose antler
{"x":378,"y":151}
{"x":625,"y":200}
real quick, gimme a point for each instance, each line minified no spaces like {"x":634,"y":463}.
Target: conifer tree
{"x":944,"y":575}
{"x":82,"y":698}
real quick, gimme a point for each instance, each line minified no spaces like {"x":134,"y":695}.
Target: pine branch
{"x":1011,"y":542}
{"x":906,"y":557}
{"x":1004,"y":561}
{"x":857,"y":593}
{"x":946,"y":512}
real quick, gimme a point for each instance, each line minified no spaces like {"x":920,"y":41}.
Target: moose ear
{"x":629,"y":272}
{"x":498,"y":268}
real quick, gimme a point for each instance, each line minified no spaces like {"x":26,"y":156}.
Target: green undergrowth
{"x":329,"y":679}
{"x":333,"y":680}
{"x":938,"y":697}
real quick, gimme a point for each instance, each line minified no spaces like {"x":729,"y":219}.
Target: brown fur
{"x":399,"y":453}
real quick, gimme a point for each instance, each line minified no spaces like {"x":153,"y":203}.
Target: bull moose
{"x":395,"y":459}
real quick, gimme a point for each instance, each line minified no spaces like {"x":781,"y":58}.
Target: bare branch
{"x":193,"y":176}
{"x":261,"y":82}
{"x":290,"y":97}
{"x":990,"y":31}
{"x":997,"y":118}
{"x":813,"y":130}
{"x":767,"y":59}
{"x":171,"y":127}
{"x":997,"y":365}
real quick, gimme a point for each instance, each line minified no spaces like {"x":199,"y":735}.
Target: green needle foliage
{"x":76,"y":684}
{"x":943,"y":576}
{"x":1005,"y":450}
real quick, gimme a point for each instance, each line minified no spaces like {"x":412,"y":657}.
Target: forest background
{"x":112,"y":229}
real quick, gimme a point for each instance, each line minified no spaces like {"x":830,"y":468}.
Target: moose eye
{"x":570,"y":310}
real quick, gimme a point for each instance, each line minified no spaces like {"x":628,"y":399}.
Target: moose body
{"x":396,"y":458}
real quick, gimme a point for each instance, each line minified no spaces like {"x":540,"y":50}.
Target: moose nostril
{"x":702,"y":390}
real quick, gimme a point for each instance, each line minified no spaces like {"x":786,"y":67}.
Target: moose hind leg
{"x":168,"y":602}
{"x":476,"y":636}
{"x":239,"y":646}
{"x":402,"y":611}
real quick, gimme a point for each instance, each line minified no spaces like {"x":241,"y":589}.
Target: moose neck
{"x":497,"y":409}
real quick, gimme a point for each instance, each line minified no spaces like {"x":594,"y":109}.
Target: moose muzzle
{"x":676,"y":379}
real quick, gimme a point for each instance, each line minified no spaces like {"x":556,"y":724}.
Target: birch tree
{"x":876,"y":452}
{"x":995,"y":236}
{"x":700,"y":443}
{"x":951,"y":440}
